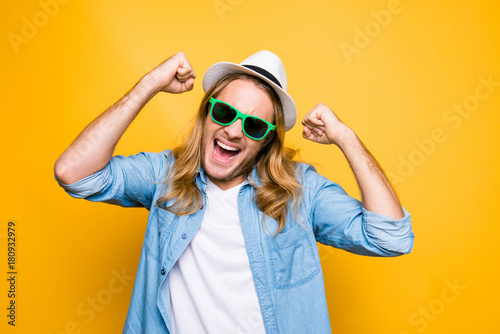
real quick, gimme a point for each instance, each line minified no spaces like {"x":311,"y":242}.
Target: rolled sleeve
{"x":126,"y":181}
{"x":394,"y":237}
{"x":341,"y":221}
{"x":89,"y":185}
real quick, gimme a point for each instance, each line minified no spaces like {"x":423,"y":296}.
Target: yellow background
{"x":394,"y":91}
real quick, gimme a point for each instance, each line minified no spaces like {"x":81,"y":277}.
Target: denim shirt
{"x":286,"y":268}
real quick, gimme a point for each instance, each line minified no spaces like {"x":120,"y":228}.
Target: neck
{"x":226,"y":184}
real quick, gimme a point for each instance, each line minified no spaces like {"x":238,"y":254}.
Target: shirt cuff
{"x":394,"y":236}
{"x":87,"y":186}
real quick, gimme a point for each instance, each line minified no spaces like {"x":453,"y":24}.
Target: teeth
{"x":226,"y":147}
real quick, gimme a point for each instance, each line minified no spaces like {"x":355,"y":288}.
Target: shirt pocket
{"x":293,"y":258}
{"x":158,"y":232}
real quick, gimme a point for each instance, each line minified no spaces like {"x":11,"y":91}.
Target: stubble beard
{"x":242,"y":169}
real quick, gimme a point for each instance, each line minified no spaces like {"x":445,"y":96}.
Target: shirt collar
{"x":252,"y":178}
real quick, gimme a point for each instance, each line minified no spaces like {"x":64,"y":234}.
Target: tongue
{"x":223,"y":153}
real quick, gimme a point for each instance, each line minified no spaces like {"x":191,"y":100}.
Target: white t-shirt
{"x":211,"y":285}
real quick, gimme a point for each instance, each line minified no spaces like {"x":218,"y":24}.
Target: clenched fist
{"x":321,"y":125}
{"x":175,"y":75}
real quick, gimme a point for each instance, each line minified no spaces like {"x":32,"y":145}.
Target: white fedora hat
{"x":264,"y":65}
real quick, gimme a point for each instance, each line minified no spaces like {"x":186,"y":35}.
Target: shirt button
{"x":162,"y":272}
{"x":183,"y":236}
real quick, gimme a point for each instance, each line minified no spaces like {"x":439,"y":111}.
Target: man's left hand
{"x":321,"y":125}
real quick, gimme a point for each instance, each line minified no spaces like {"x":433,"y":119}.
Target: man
{"x":230,"y":245}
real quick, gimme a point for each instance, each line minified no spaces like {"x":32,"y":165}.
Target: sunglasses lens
{"x":255,"y":127}
{"x":223,"y":113}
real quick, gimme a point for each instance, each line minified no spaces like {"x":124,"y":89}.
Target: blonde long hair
{"x":276,"y":168}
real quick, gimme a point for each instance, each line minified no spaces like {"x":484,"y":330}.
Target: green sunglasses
{"x":225,"y":114}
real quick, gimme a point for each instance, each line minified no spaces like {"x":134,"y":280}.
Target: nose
{"x":234,"y":130}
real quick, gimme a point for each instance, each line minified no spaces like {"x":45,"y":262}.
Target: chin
{"x":219,"y":172}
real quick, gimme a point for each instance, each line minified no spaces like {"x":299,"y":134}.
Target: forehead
{"x":248,"y":98}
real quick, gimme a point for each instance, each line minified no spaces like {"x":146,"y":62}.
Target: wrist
{"x":345,"y":138}
{"x":149,"y":84}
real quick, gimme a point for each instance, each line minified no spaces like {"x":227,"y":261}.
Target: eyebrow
{"x":252,"y":113}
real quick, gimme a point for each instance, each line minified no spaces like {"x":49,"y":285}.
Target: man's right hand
{"x":94,"y":147}
{"x":175,"y":75}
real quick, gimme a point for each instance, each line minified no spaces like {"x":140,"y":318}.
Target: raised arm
{"x":93,"y":148}
{"x":323,"y":126}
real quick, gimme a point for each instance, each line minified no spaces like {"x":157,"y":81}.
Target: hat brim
{"x":222,"y":69}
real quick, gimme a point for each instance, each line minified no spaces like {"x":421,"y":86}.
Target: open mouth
{"x":224,"y":151}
